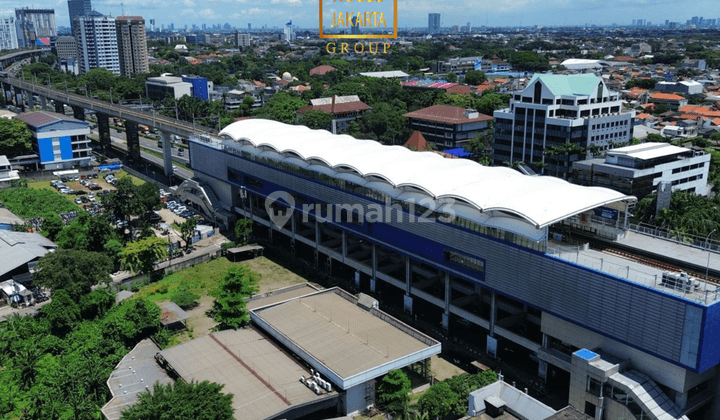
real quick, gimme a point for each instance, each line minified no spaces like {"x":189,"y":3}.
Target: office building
{"x":201,"y":86}
{"x":639,"y":169}
{"x":433,"y":23}
{"x":448,"y":126}
{"x":43,"y":21}
{"x":76,"y":9}
{"x":242,"y":40}
{"x":159,"y":88}
{"x":152,"y":25}
{"x":60,"y":141}
{"x":66,"y":47}
{"x":8,"y":34}
{"x":289,"y":34}
{"x":132,"y":45}
{"x":97,"y":42}
{"x":557,"y":120}
{"x":490,"y":262}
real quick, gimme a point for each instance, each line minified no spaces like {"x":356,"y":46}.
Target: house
{"x":344,"y":109}
{"x":670,"y":100}
{"x":321,"y":70}
{"x":19,"y":251}
{"x":448,"y":126}
{"x":60,"y":141}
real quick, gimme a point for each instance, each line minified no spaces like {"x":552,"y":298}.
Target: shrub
{"x":184,"y":298}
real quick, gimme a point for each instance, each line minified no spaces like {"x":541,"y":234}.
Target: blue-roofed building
{"x":201,"y":87}
{"x":559,"y":119}
{"x":60,"y":141}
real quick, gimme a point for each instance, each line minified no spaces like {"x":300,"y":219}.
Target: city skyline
{"x":304,"y":13}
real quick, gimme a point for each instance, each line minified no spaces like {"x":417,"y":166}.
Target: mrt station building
{"x":511,"y":260}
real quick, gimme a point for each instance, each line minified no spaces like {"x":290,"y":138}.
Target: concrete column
{"x":543,"y":365}
{"x":407,"y":299}
{"x":31,"y":100}
{"x":448,"y":298}
{"x":167,"y":154}
{"x":293,"y":226}
{"x":317,"y":235}
{"x":132,"y":139}
{"x":492,"y":314}
{"x":60,"y":108}
{"x":681,"y":400}
{"x":344,"y":245}
{"x":373,"y":279}
{"x":103,"y":129}
{"x":79,"y":113}
{"x":18,"y":97}
{"x":43,"y":103}
{"x":7,"y":89}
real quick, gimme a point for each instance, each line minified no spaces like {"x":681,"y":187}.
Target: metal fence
{"x":707,"y":244}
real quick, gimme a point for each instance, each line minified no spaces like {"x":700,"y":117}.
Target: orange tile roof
{"x":666,"y":96}
{"x":643,"y":116}
{"x":321,"y":70}
{"x":715,"y":121}
{"x":417,"y":142}
{"x":700,"y":110}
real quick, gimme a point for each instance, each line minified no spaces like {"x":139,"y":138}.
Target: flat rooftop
{"x":263,"y":379}
{"x":343,"y":341}
{"x":280,"y":295}
{"x":137,"y":372}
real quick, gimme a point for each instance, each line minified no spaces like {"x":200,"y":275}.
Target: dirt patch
{"x":198,"y":325}
{"x":442,"y":369}
{"x":274,"y":276}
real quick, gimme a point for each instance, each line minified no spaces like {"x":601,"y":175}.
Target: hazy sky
{"x":411,"y":13}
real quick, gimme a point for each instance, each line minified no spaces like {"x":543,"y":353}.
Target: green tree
{"x":490,"y":102}
{"x":112,"y":249}
{"x":184,"y":298}
{"x":438,"y":401}
{"x":229,"y":308}
{"x":451,"y":77}
{"x":386,"y":122}
{"x":15,"y":138}
{"x":148,"y":196}
{"x":180,"y":400}
{"x":243,"y":230}
{"x":124,"y":201}
{"x":62,"y":313}
{"x":283,"y":107}
{"x":74,"y":271}
{"x":474,"y":77}
{"x":96,"y":303}
{"x":393,"y":391}
{"x":316,"y":119}
{"x":52,"y":226}
{"x":187,"y":229}
{"x":141,"y":256}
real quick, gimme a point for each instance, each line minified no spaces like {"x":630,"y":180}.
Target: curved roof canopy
{"x":541,"y":200}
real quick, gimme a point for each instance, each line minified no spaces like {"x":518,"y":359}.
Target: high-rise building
{"x":242,"y":40}
{"x":355,"y":25}
{"x":78,"y":8}
{"x":8,"y":34}
{"x":43,"y":22}
{"x":66,"y":47}
{"x":97,"y":42}
{"x":433,"y":23}
{"x":132,"y":45}
{"x":556,"y":119}
{"x":289,"y":34}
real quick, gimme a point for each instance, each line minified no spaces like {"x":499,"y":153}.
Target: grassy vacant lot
{"x":203,"y":279}
{"x":135,"y":180}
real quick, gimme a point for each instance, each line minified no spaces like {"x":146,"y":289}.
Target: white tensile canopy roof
{"x":541,"y":200}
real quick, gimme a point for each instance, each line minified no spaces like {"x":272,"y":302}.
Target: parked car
{"x":78,"y":201}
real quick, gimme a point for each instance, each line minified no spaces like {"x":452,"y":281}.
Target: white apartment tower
{"x":557,"y":120}
{"x":97,"y":42}
{"x":132,"y":45}
{"x":8,"y":34}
